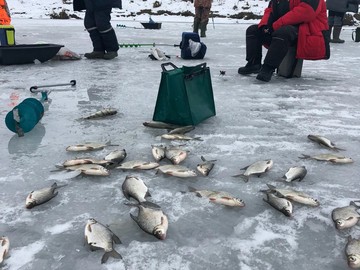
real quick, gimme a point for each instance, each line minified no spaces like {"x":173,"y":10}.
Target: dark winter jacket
{"x":311,"y":17}
{"x":203,"y":3}
{"x":353,"y":6}
{"x":96,"y":4}
{"x":337,"y":5}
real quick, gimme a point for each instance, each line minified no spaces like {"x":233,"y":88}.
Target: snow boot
{"x":249,"y":68}
{"x":110,"y":55}
{"x":203,"y":29}
{"x":336,"y":35}
{"x":265,"y":73}
{"x":94,"y":55}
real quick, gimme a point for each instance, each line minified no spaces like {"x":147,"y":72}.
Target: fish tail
{"x":244,"y":177}
{"x":202,"y":158}
{"x":304,"y":156}
{"x":198,"y":139}
{"x":339,"y":149}
{"x":191,"y":189}
{"x":112,"y":253}
{"x":108,"y":143}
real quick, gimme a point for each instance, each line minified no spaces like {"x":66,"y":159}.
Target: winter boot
{"x":336,"y":35}
{"x":265,"y":73}
{"x":196,"y":25}
{"x":249,"y":68}
{"x":110,"y":55}
{"x":94,"y":55}
{"x":203,"y":29}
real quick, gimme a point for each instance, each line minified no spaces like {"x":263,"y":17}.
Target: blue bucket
{"x":30,"y":112}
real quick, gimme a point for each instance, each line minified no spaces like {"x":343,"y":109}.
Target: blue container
{"x":30,"y":111}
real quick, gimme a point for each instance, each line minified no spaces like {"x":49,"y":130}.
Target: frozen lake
{"x":254,"y":121}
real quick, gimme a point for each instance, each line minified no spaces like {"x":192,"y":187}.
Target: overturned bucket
{"x":24,"y":117}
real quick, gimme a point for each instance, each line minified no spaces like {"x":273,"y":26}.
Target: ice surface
{"x":254,"y":121}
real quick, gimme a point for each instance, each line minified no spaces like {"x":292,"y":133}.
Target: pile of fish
{"x":150,"y":216}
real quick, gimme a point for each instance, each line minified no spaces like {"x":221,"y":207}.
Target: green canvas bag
{"x":185,"y":95}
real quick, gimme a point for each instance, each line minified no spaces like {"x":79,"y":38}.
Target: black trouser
{"x":97,"y":23}
{"x":277,"y":43}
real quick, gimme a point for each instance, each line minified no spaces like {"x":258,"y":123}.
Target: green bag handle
{"x":168,"y":64}
{"x":199,"y":69}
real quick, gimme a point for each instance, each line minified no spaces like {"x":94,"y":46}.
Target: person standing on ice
{"x":202,"y":13}
{"x":286,"y":23}
{"x":97,"y":23}
{"x":337,"y":10}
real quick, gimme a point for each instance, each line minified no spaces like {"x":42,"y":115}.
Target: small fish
{"x":41,"y":196}
{"x":281,"y":204}
{"x":175,"y":155}
{"x":205,"y":167}
{"x":135,"y":187}
{"x":102,"y":113}
{"x":90,"y":169}
{"x":99,"y":236}
{"x":295,"y":173}
{"x":116,"y":156}
{"x":4,"y":248}
{"x":329,"y":157}
{"x":294,"y":196}
{"x":151,"y":219}
{"x":345,"y":217}
{"x":182,"y":130}
{"x":177,"y":170}
{"x":183,"y":137}
{"x":162,"y":125}
{"x":79,"y":161}
{"x":88,"y":147}
{"x":138,"y":165}
{"x":257,"y":168}
{"x":158,"y":152}
{"x":352,"y":252}
{"x":219,"y":197}
{"x":325,"y":142}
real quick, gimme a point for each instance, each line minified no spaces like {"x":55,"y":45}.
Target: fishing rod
{"x":125,"y":26}
{"x":136,"y":45}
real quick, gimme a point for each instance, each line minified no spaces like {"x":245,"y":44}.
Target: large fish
{"x":205,"y":167}
{"x":352,"y":252}
{"x":151,"y":219}
{"x":345,"y":217}
{"x":177,"y":170}
{"x":79,"y":161}
{"x":281,"y":204}
{"x":175,"y":155}
{"x":325,"y":142}
{"x":101,"y":113}
{"x":183,"y":137}
{"x":137,"y":165}
{"x":90,"y":169}
{"x":41,"y":196}
{"x":294,"y":196}
{"x":99,"y":236}
{"x":329,"y":157}
{"x":88,"y":146}
{"x":158,"y":152}
{"x":116,"y":156}
{"x":257,"y":168}
{"x":162,"y":125}
{"x":219,"y":197}
{"x":4,"y":248}
{"x":295,"y":173}
{"x":135,"y":187}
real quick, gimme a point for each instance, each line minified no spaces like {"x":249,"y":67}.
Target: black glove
{"x":267,"y":29}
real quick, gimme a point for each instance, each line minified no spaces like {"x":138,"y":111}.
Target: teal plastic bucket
{"x":30,"y":112}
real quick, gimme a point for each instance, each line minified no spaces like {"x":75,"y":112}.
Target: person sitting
{"x":300,"y":23}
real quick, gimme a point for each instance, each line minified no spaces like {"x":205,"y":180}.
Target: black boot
{"x":196,"y":25}
{"x":265,"y":73}
{"x":203,"y":29}
{"x":336,"y":35}
{"x":249,"y":68}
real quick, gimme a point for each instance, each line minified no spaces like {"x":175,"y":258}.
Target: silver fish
{"x":345,"y":217}
{"x":137,"y":165}
{"x":90,"y":169}
{"x":295,"y":173}
{"x":281,"y":204}
{"x":256,"y":168}
{"x":88,"y":146}
{"x":79,"y":161}
{"x":99,"y":236}
{"x":329,"y":157}
{"x":205,"y":167}
{"x":135,"y":187}
{"x":352,"y":252}
{"x":175,"y":155}
{"x":219,"y":197}
{"x":182,"y":130}
{"x":4,"y":248}
{"x":177,"y":170}
{"x":162,"y":125}
{"x":183,"y":137}
{"x":41,"y":196}
{"x":325,"y":142}
{"x":101,"y":113}
{"x":158,"y":152}
{"x":294,"y":196}
{"x":116,"y":156}
{"x":151,"y":219}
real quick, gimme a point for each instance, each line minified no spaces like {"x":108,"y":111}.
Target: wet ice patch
{"x":24,"y":255}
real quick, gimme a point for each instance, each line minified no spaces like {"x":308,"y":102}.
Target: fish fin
{"x":191,"y":189}
{"x":92,"y":248}
{"x":271,"y":186}
{"x":244,"y":177}
{"x":212,"y":199}
{"x":112,"y":253}
{"x":126,"y":194}
{"x":202,"y":158}
{"x":305,"y":156}
{"x":244,"y":168}
{"x":339,"y":149}
{"x":116,"y":239}
{"x":265,"y":190}
{"x":134,"y":218}
{"x":150,"y":205}
{"x":226,"y":198}
{"x":30,"y":195}
{"x":89,"y":228}
{"x":131,"y":204}
{"x":198,"y":138}
{"x":353,"y":203}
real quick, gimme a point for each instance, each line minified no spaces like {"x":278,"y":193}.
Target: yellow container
{"x":7,"y":35}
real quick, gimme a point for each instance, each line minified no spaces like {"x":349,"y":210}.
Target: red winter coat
{"x":313,"y":37}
